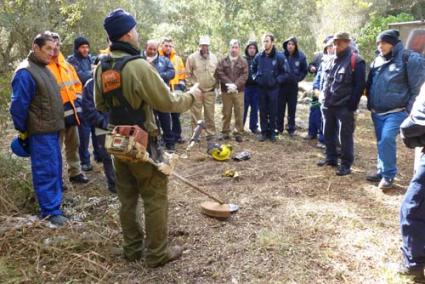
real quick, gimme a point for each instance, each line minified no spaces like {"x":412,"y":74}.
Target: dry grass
{"x":297,"y":224}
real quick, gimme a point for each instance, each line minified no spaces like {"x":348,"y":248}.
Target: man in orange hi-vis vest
{"x":70,"y":91}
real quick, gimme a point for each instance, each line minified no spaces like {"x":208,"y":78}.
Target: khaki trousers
{"x":208,"y":103}
{"x":235,"y":102}
{"x":69,"y":136}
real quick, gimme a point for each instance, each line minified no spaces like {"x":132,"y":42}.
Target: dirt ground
{"x":297,"y":223}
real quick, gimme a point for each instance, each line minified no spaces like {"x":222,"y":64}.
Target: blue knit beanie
{"x":389,"y":36}
{"x":118,"y":23}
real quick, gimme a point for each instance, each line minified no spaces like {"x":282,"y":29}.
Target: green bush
{"x":368,"y":34}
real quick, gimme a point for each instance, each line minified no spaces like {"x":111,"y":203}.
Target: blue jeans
{"x":46,"y":167}
{"x":268,"y":110}
{"x":387,"y":128}
{"x":251,"y":101}
{"x":412,"y":219}
{"x":287,"y":96}
{"x":341,"y":118}
{"x":84,"y":131}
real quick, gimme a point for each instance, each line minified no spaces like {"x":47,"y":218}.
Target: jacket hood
{"x":254,"y":43}
{"x":285,"y":45}
{"x":79,"y":41}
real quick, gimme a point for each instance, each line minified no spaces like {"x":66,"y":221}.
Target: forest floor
{"x":297,"y":223}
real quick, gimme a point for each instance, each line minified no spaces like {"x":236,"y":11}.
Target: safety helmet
{"x":221,"y":152}
{"x":20,"y":147}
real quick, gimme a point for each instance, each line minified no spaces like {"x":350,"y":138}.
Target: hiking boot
{"x":343,"y":171}
{"x":80,"y":178}
{"x":386,"y":183}
{"x":238,"y":138}
{"x":58,"y":220}
{"x":416,"y":273}
{"x":376,"y":177}
{"x":325,"y":162}
{"x":175,"y":253}
{"x":262,"y":138}
{"x":86,"y":167}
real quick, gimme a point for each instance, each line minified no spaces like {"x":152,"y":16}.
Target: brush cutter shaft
{"x":197,"y":188}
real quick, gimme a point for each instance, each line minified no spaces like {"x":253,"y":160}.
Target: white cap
{"x":204,"y":40}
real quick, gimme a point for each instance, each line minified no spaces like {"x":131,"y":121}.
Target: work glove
{"x":170,"y":161}
{"x":23,"y":135}
{"x":195,"y":91}
{"x":231,"y":88}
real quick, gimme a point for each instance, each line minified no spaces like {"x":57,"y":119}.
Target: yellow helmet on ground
{"x":221,"y":152}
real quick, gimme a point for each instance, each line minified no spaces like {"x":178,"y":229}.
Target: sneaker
{"x":376,"y":177}
{"x":175,"y":253}
{"x":415,"y":273}
{"x":343,"y":171}
{"x":386,"y":183}
{"x":309,"y":137}
{"x":262,"y":138}
{"x":86,"y":167}
{"x":79,"y":179}
{"x":320,"y":145}
{"x":238,"y":139}
{"x":326,"y":162}
{"x":58,"y":220}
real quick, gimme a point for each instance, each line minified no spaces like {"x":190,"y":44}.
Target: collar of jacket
{"x":170,"y":56}
{"x":78,"y":55}
{"x":34,"y":59}
{"x":272,"y":53}
{"x":125,"y":47}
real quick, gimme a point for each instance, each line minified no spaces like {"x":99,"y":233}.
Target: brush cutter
{"x":129,"y":143}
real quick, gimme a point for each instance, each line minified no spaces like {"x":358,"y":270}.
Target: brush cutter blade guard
{"x":217,"y":210}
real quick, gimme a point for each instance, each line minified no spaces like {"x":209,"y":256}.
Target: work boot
{"x":343,"y":171}
{"x":58,"y":220}
{"x":181,"y":140}
{"x":80,"y":178}
{"x":415,"y":273}
{"x":326,"y":162}
{"x":386,"y":183}
{"x":175,"y":253}
{"x":376,"y":177}
{"x":86,"y":167}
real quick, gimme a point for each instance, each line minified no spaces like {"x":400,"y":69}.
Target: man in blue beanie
{"x":130,"y":101}
{"x":394,"y":82}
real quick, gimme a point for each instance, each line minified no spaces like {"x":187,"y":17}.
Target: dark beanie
{"x":79,"y":41}
{"x":389,"y":36}
{"x":118,"y":23}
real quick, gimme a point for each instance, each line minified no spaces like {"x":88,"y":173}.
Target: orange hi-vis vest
{"x":69,"y":84}
{"x":178,"y":68}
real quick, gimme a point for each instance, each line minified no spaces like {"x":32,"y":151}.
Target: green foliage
{"x":377,"y":24}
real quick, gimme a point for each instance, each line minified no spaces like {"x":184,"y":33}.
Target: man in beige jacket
{"x":200,"y":68}
{"x":232,"y":72}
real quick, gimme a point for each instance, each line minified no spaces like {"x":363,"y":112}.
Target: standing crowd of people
{"x":58,"y":101}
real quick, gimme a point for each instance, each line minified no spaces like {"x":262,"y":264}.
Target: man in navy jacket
{"x":82,"y":62}
{"x":166,"y":70}
{"x":269,"y":73}
{"x":289,"y":90}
